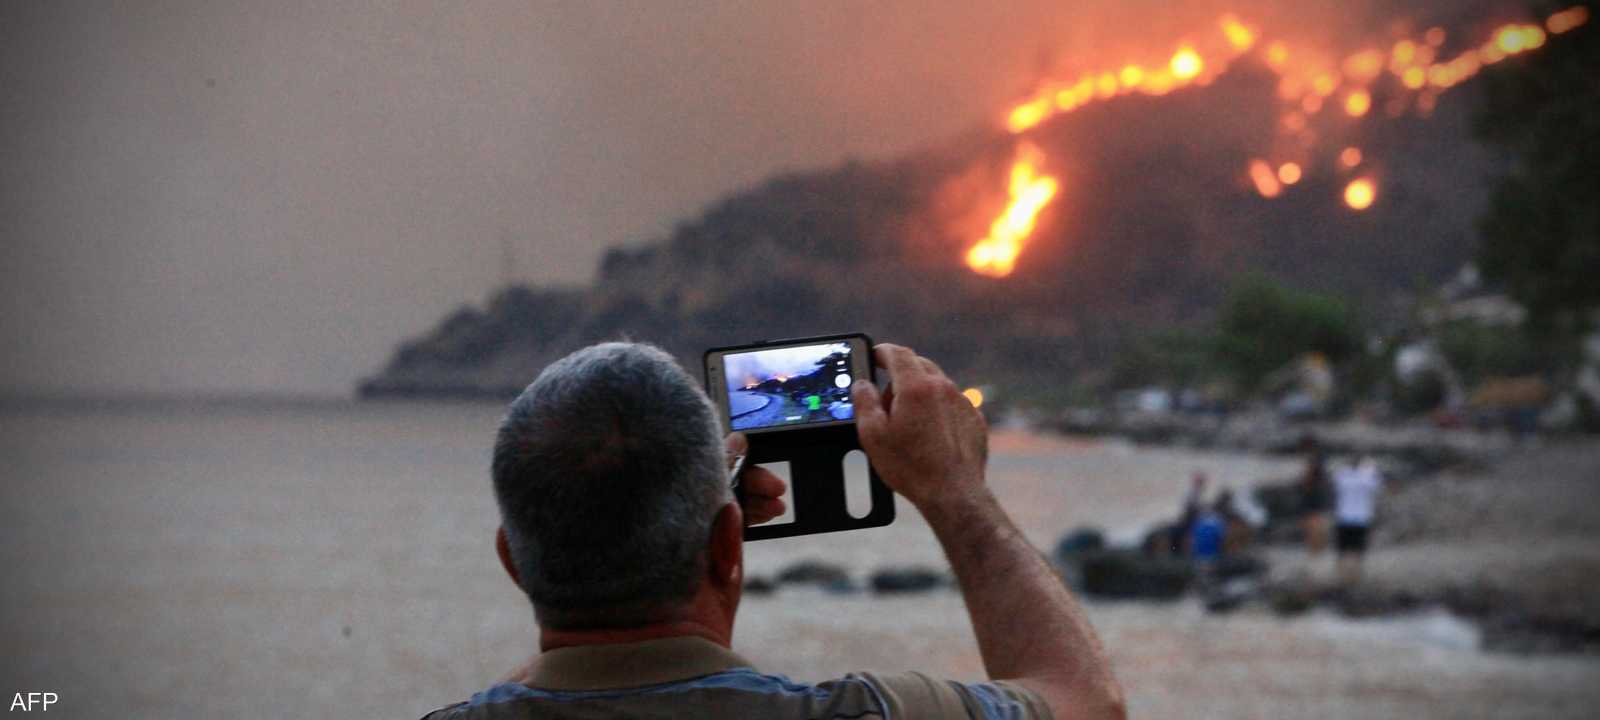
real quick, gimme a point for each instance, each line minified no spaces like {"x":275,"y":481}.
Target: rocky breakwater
{"x":836,"y":579}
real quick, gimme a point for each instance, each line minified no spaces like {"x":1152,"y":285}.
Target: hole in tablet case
{"x":857,"y":485}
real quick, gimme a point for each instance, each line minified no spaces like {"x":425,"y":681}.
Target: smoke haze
{"x":265,"y":197}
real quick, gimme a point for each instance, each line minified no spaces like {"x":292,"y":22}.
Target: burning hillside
{"x":1406,"y":75}
{"x":1104,"y":203}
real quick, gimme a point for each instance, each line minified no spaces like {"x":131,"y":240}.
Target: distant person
{"x":618,"y":522}
{"x":1316,"y":497}
{"x":1206,"y":536}
{"x":1236,"y":530}
{"x":1357,"y":487}
{"x":1193,"y":505}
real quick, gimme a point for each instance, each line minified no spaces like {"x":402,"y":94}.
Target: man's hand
{"x":930,"y":444}
{"x":924,"y":437}
{"x":763,"y":491}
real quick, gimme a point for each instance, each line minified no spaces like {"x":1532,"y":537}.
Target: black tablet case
{"x":816,"y":468}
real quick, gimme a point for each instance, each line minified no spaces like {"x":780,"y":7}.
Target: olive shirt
{"x":692,"y":677}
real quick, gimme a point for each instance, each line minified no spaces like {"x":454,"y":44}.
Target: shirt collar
{"x":651,"y":662}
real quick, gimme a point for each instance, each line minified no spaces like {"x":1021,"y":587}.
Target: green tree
{"x":1264,"y":325}
{"x":1479,"y":352}
{"x":1541,"y":233}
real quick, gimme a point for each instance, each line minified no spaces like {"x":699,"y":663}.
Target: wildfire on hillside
{"x":1409,"y":72}
{"x":996,"y":254}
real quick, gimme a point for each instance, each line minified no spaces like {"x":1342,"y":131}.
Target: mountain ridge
{"x":1153,"y":220}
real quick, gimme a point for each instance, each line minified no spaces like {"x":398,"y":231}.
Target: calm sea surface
{"x":335,"y":560}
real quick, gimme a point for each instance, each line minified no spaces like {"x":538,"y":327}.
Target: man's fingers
{"x":871,"y":418}
{"x":880,"y":354}
{"x":736,"y":445}
{"x":763,"y":491}
{"x":761,"y":510}
{"x":759,"y":482}
{"x":868,"y":403}
{"x":899,"y":361}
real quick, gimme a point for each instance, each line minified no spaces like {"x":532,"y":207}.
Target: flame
{"x":1029,"y":114}
{"x":1357,"y":103}
{"x":996,"y":254}
{"x":1186,"y":64}
{"x":1414,"y":77}
{"x":1514,"y":39}
{"x":1325,"y":84}
{"x":1277,"y":55}
{"x":1416,"y":68}
{"x":1289,"y":173}
{"x":1364,"y":66}
{"x":1360,"y":193}
{"x":1265,"y":180}
{"x":1305,"y":84}
{"x":1567,"y":19}
{"x":1240,"y":36}
{"x":974,"y":396}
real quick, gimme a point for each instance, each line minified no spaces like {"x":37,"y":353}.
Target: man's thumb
{"x":870,"y":417}
{"x":736,"y":444}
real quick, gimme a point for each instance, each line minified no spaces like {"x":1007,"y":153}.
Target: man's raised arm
{"x":931,"y":445}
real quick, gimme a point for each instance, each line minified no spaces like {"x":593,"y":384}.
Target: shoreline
{"x":1502,"y":539}
{"x":1512,"y":545}
{"x":1501,"y":534}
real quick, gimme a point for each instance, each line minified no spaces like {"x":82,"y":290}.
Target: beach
{"x":334,"y":559}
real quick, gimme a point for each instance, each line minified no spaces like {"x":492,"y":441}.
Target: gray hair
{"x":609,"y":470}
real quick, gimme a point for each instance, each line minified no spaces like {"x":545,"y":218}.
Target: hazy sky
{"x":226,"y":196}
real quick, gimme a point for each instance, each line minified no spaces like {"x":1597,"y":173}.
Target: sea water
{"x":335,"y":559}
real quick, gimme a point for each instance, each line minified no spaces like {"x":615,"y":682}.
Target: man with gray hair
{"x":611,"y":474}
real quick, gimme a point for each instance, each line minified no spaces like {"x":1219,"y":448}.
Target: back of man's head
{"x":609,"y":470}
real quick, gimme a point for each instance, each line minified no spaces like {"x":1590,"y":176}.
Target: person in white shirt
{"x":1356,"y":489}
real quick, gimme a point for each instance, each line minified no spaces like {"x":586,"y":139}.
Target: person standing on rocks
{"x":1316,"y":497}
{"x":1356,"y":487}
